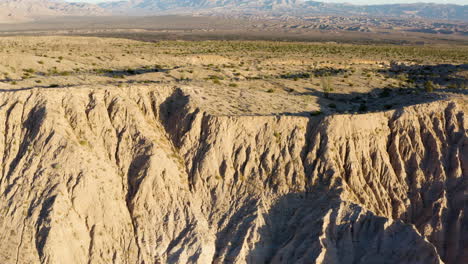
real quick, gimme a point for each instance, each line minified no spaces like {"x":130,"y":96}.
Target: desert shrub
{"x":184,"y":78}
{"x":64,"y":73}
{"x":52,"y":71}
{"x":429,"y":86}
{"x":277,"y":136}
{"x":215,"y":77}
{"x":327,"y":85}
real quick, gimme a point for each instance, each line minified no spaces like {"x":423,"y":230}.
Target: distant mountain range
{"x":151,"y":6}
{"x":420,"y":10}
{"x":19,"y":10}
{"x":12,"y":11}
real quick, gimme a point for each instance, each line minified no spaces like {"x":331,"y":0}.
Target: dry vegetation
{"x":240,"y":77}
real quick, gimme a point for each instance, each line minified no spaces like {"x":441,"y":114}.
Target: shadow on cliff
{"x":319,"y":227}
{"x":294,"y":216}
{"x":293,"y":222}
{"x":31,"y":128}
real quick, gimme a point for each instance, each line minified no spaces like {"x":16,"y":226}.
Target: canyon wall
{"x":99,"y":175}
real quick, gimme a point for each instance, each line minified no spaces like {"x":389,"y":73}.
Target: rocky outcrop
{"x":100,"y":175}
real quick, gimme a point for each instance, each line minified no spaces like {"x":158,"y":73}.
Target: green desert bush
{"x":429,"y":86}
{"x":327,"y":85}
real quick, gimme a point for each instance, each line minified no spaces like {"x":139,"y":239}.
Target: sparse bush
{"x":429,"y":86}
{"x":183,"y":79}
{"x":64,"y":73}
{"x":29,"y":71}
{"x":277,"y":136}
{"x":327,"y":85}
{"x":215,"y":77}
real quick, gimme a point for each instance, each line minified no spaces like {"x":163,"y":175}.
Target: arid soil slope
{"x":143,"y":175}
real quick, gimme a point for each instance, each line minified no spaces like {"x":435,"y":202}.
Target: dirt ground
{"x":243,"y":77}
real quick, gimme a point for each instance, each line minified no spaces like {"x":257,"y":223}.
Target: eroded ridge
{"x":145,"y":176}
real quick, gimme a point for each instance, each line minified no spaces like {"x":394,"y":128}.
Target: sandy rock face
{"x":143,"y":176}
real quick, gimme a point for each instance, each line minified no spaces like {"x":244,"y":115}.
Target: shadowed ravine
{"x":144,"y":176}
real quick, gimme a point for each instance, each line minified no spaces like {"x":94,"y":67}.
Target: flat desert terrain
{"x":243,"y":77}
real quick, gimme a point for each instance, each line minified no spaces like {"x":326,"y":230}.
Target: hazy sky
{"x":460,"y":2}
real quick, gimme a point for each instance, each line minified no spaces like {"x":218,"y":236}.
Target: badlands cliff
{"x":94,"y":175}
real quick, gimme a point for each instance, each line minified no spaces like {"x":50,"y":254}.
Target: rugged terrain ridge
{"x":288,"y":8}
{"x":14,"y":11}
{"x":98,"y":175}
